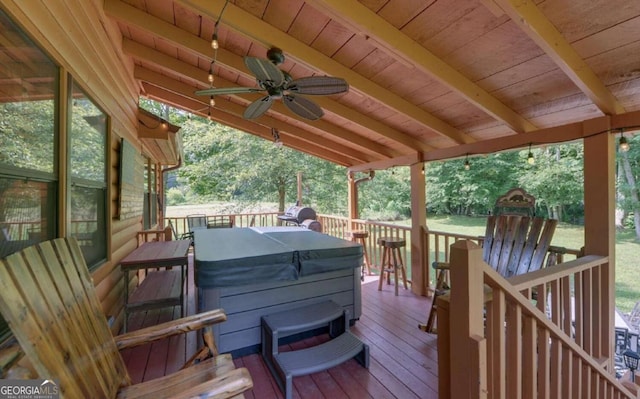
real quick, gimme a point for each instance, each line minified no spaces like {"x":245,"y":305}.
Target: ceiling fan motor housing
{"x":275,"y":55}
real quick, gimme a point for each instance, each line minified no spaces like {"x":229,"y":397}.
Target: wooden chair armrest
{"x":225,"y":386}
{"x":440,"y":265}
{"x":170,"y":328}
{"x":558,"y":250}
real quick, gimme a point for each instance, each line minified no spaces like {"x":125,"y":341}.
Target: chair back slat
{"x":515,"y":244}
{"x":48,"y":300}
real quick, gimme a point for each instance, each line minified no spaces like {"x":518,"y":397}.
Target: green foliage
{"x":387,"y":196}
{"x":175,"y":197}
{"x":228,"y":165}
{"x":555,"y":179}
{"x":26,"y":135}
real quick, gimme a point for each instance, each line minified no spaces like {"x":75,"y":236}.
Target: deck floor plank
{"x":403,"y":359}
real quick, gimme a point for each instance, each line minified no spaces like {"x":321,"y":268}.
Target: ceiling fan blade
{"x":264,"y":70}
{"x":303,"y":107}
{"x":258,"y":107}
{"x":218,"y":91}
{"x":318,"y":85}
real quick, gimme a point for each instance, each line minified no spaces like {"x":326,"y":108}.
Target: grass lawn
{"x":568,"y":236}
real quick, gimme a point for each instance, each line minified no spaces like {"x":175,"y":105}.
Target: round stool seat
{"x":359,"y":234}
{"x":394,"y":243}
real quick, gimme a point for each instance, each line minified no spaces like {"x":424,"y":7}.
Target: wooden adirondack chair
{"x":515,"y":242}
{"x":49,"y":301}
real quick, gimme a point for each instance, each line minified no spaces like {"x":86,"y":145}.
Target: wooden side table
{"x":160,"y":288}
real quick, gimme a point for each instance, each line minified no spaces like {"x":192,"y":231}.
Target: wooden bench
{"x":50,"y":304}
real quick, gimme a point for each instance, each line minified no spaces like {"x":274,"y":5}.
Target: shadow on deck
{"x":403,"y":359}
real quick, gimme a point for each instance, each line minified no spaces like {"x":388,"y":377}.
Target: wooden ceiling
{"x":426,"y":77}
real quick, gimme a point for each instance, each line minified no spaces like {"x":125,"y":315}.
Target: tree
{"x":556,"y":179}
{"x":223,"y":163}
{"x":453,"y":189}
{"x":628,"y":175}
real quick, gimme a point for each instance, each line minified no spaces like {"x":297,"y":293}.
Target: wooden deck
{"x":403,"y":359}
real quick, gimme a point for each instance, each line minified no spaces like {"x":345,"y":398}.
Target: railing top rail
{"x":454,"y":235}
{"x":548,"y":274}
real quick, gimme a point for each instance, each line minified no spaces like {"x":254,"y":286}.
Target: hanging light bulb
{"x":212,"y":102}
{"x":164,"y":125}
{"x":422,"y":171}
{"x":214,"y":40}
{"x":623,"y":144}
{"x":467,"y":165}
{"x":209,"y":114}
{"x":530,"y":159}
{"x":211,"y":77}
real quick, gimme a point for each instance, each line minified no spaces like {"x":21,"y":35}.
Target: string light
{"x":210,"y":78}
{"x":623,"y":144}
{"x":467,"y":165}
{"x":530,"y":159}
{"x":215,"y":44}
{"x":214,"y":38}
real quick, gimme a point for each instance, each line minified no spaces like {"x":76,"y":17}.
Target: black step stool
{"x":342,"y":347}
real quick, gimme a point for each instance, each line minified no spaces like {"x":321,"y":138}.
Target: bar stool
{"x":360,"y":236}
{"x":392,"y":261}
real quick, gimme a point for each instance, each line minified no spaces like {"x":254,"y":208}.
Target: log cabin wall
{"x":75,"y":35}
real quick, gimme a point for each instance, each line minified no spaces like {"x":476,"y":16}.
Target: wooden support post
{"x":419,"y":267}
{"x":599,"y":228}
{"x":352,"y":198}
{"x":466,"y":330}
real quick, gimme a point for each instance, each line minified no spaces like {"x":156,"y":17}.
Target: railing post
{"x":468,"y":346}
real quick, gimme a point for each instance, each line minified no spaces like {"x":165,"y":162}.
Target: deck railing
{"x":339,"y":226}
{"x":435,"y":244}
{"x":551,"y":342}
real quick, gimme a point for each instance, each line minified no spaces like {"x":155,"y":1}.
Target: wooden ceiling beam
{"x":364,"y":21}
{"x":535,"y":24}
{"x":406,"y":160}
{"x":257,"y":30}
{"x":186,"y":91}
{"x":174,"y":66}
{"x":220,"y":116}
{"x":202,"y":48}
{"x":553,"y":135}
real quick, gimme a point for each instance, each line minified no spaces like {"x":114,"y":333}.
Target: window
{"x":28,"y":137}
{"x":29,"y":161}
{"x":88,"y":178}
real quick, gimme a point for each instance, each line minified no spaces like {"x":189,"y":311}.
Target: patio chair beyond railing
{"x":49,"y":301}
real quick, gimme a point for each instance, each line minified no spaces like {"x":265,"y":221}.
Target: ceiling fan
{"x":280,"y":85}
